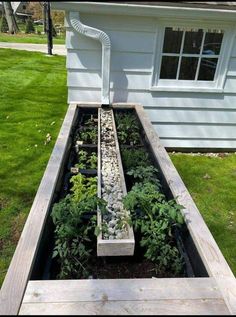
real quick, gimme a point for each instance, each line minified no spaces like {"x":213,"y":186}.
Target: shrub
{"x":29,"y":28}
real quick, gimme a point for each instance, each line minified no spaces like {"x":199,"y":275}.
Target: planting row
{"x":154,"y":217}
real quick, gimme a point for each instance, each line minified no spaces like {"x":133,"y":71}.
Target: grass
{"x":212,"y":183}
{"x":30,"y":38}
{"x":33,"y":103}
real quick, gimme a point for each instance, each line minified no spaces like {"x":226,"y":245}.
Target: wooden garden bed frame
{"x":215,"y":294}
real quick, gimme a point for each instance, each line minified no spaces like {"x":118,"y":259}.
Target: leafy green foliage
{"x":89,"y":131}
{"x":74,"y":235}
{"x":83,"y":187}
{"x":82,"y":159}
{"x":133,"y":157}
{"x":156,"y":218}
{"x":152,"y":215}
{"x":88,"y":135}
{"x":92,"y":121}
{"x":127,"y":128}
{"x":29,"y":28}
{"x":92,"y":160}
{"x":145,"y":173}
{"x":87,"y":160}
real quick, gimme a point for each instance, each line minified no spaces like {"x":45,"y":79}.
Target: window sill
{"x":187,"y":89}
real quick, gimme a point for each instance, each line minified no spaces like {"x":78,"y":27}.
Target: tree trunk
{"x":11,"y":21}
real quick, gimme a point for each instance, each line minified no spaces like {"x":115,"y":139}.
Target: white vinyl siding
{"x":181,"y":119}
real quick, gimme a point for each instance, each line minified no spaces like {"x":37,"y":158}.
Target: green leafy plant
{"x":92,"y":121}
{"x":92,"y":160}
{"x":88,"y":136}
{"x":152,"y":215}
{"x":134,"y":157}
{"x":156,"y":219}
{"x":88,"y":133}
{"x":83,"y":187}
{"x":82,"y":159}
{"x":127,"y":128}
{"x":87,"y":160}
{"x":145,"y":174}
{"x":29,"y":28}
{"x":74,"y":235}
{"x":71,"y":238}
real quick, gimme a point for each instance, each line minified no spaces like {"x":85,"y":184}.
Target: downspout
{"x":106,"y":52}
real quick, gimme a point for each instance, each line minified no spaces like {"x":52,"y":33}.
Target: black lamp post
{"x":48,"y":25}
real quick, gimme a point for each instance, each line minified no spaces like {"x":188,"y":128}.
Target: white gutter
{"x":157,"y":11}
{"x":106,"y":51}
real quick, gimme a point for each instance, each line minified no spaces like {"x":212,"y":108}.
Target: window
{"x":190,"y":57}
{"x":190,"y":54}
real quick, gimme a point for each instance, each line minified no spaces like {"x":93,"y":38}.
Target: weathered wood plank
{"x":228,"y":289}
{"x":17,"y":276}
{"x":104,"y":307}
{"x":121,"y":290}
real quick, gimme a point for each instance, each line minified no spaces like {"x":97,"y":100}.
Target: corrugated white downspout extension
{"x":106,"y":51}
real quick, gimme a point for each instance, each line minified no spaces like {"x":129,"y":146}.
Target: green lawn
{"x":29,"y":38}
{"x":212,"y":183}
{"x":33,"y":103}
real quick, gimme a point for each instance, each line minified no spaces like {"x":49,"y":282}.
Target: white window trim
{"x":216,"y":86}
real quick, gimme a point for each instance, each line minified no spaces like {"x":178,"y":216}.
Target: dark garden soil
{"x":125,"y":267}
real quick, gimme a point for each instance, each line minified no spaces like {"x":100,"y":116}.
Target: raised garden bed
{"x":60,"y":228}
{"x":92,"y":251}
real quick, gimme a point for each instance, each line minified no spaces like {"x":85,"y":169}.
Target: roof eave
{"x":146,"y":10}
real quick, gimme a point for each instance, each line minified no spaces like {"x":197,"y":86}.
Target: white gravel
{"x":111,"y":183}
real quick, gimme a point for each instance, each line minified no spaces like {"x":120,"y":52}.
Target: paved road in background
{"x":57,"y":49}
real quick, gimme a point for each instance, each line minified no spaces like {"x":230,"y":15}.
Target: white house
{"x":178,"y":59}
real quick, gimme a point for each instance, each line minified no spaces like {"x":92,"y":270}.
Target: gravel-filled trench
{"x":115,"y":220}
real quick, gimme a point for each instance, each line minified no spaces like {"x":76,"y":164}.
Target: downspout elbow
{"x":106,"y":52}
